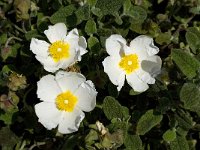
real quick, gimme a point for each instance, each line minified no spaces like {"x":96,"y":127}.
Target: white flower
{"x":137,"y":62}
{"x":63,"y":51}
{"x":65,"y":96}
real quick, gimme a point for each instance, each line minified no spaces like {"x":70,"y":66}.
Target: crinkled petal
{"x":70,"y":121}
{"x":56,"y":32}
{"x":48,"y":89}
{"x":49,"y":64}
{"x":145,"y":76}
{"x":86,"y":94}
{"x":82,"y":47}
{"x":39,"y":47}
{"x":115,"y":74}
{"x":69,"y":80}
{"x":72,"y":39}
{"x":48,"y":114}
{"x":143,"y":46}
{"x":136,"y":83}
{"x":152,"y":65}
{"x":115,"y":44}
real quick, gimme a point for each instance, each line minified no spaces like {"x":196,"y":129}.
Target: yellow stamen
{"x":59,"y":50}
{"x":66,"y":101}
{"x":129,"y":63}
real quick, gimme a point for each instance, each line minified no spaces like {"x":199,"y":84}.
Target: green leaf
{"x":70,"y":142}
{"x":190,"y":96}
{"x":113,"y":109}
{"x":137,"y":13}
{"x":148,"y":121}
{"x":138,"y":28}
{"x":93,"y":44}
{"x":127,"y":5}
{"x":187,"y":63}
{"x":184,"y":119}
{"x":180,"y":143}
{"x":8,"y":116}
{"x":133,"y":142}
{"x":90,"y":27}
{"x":3,"y":38}
{"x":193,"y":38}
{"x":31,"y":34}
{"x":109,"y":6}
{"x":7,"y":138}
{"x":169,"y":135}
{"x":62,"y":13}
{"x":132,"y":92}
{"x":83,"y":13}
{"x":92,"y":2}
{"x":91,"y":137}
{"x":163,"y":38}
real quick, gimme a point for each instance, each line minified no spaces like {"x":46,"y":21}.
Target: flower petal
{"x":136,"y":83}
{"x":145,"y":76}
{"x":48,"y":114}
{"x":115,"y":74}
{"x":72,"y":39}
{"x":152,"y":65}
{"x":70,"y":121}
{"x":69,"y":80}
{"x":39,"y":47}
{"x":114,"y":44}
{"x":56,"y":32}
{"x":48,"y":89}
{"x":82,"y":47}
{"x":143,"y":46}
{"x":49,"y":64}
{"x":86,"y":94}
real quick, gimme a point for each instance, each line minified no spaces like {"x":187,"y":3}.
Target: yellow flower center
{"x":59,"y":50}
{"x":66,"y":101}
{"x":129,"y":63}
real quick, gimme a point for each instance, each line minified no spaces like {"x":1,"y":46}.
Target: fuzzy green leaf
{"x":193,"y":38}
{"x":187,"y":63}
{"x":93,"y":44}
{"x":190,"y":96}
{"x":148,"y":121}
{"x":184,"y":119}
{"x":90,"y":27}
{"x":113,"y":109}
{"x":8,"y":139}
{"x":169,"y":135}
{"x":109,"y":6}
{"x":31,"y":34}
{"x":180,"y":143}
{"x":137,"y":13}
{"x":133,"y":142}
{"x":62,"y":13}
{"x":163,"y":38}
{"x":83,"y":13}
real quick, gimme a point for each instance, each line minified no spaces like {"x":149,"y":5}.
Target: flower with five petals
{"x":138,"y":62}
{"x":65,"y":96}
{"x":62,"y":51}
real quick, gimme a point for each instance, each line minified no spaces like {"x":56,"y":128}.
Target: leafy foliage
{"x":166,"y":116}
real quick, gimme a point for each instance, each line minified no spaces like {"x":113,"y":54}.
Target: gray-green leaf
{"x":109,"y":6}
{"x":193,"y":38}
{"x":62,"y":13}
{"x":113,"y":109}
{"x":180,"y":143}
{"x":90,"y":27}
{"x":133,"y":142}
{"x":148,"y":121}
{"x":188,"y":64}
{"x":190,"y":96}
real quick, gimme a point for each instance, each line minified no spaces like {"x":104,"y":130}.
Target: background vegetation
{"x":166,"y":116}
